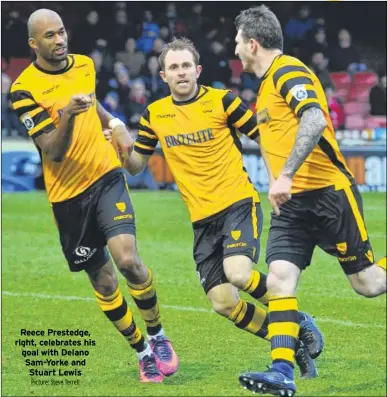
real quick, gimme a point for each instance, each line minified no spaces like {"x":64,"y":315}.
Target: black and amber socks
{"x":250,"y":318}
{"x":256,"y":287}
{"x":284,"y":319}
{"x":117,"y":311}
{"x":144,"y":295}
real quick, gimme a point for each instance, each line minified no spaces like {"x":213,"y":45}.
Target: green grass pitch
{"x":38,"y":292}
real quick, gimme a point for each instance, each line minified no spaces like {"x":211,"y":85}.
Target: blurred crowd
{"x":125,"y":44}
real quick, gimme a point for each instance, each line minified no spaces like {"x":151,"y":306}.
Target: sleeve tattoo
{"x":311,"y":126}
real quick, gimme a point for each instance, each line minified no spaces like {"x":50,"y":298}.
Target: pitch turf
{"x":40,"y":293}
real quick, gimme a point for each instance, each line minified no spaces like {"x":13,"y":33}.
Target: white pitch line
{"x":344,"y":323}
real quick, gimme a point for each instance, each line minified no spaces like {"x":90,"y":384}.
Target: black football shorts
{"x":234,"y":231}
{"x":87,"y":221}
{"x":330,"y":219}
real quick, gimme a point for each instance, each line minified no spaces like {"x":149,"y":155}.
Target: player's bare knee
{"x":370,"y":289}
{"x":238,"y":278}
{"x":129,"y":263}
{"x":370,"y":282}
{"x":224,"y":307}
{"x":224,"y":298}
{"x":238,"y":270}
{"x":282,"y":278}
{"x":104,"y":280}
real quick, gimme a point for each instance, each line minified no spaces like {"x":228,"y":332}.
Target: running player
{"x":318,"y":198}
{"x":55,"y":99}
{"x":196,"y":128}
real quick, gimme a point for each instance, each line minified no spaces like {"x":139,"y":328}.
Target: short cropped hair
{"x":179,"y":45}
{"x":261,"y":24}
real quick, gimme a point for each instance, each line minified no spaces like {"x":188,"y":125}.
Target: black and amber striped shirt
{"x":38,"y":98}
{"x":200,"y":144}
{"x":287,"y":89}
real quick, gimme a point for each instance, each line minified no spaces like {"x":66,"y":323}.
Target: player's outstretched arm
{"x":311,"y":126}
{"x":55,"y":143}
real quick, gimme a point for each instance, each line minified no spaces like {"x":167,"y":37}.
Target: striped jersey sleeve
{"x":295,"y":84}
{"x":239,"y":116}
{"x":34,"y":117}
{"x":147,"y":140}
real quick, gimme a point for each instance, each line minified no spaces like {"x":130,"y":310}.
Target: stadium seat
{"x":359,"y":93}
{"x":376,"y":121}
{"x":359,"y":108}
{"x":341,"y":79}
{"x":354,"y":122}
{"x":365,"y":79}
{"x":236,"y":67}
{"x":343,"y":93}
{"x":16,"y":66}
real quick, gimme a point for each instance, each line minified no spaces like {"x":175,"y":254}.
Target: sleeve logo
{"x":26,"y":119}
{"x":299,"y":92}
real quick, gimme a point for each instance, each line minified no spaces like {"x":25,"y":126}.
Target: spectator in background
{"x":165,"y":34}
{"x":150,"y":31}
{"x":344,"y":57}
{"x":102,"y":74}
{"x":377,"y":96}
{"x":336,"y":109}
{"x":170,"y":19}
{"x":319,"y":66}
{"x":132,"y":59}
{"x":198,"y":26}
{"x":297,"y":28}
{"x":121,"y":29}
{"x":157,"y":48}
{"x":154,"y":84}
{"x":9,"y":120}
{"x":217,"y":67}
{"x":87,"y":32}
{"x":317,"y":43}
{"x":112,"y":104}
{"x":107,"y":58}
{"x":136,"y":103}
{"x":223,"y":32}
{"x":14,"y":33}
{"x":121,"y":83}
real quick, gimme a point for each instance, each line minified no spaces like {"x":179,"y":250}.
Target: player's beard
{"x":56,"y":59}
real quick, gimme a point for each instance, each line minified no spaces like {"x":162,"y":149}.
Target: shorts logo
{"x":85,"y":252}
{"x":347,"y":259}
{"x":27,"y":121}
{"x":370,"y":256}
{"x":82,"y":251}
{"x":121,"y":207}
{"x":236,"y":234}
{"x":299,"y":92}
{"x":236,"y":245}
{"x":342,"y":248}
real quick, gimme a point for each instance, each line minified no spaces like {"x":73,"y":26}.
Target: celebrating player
{"x":54,"y":97}
{"x":318,"y":198}
{"x":195,"y":126}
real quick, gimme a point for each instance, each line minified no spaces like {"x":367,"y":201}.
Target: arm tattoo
{"x":310,"y":129}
